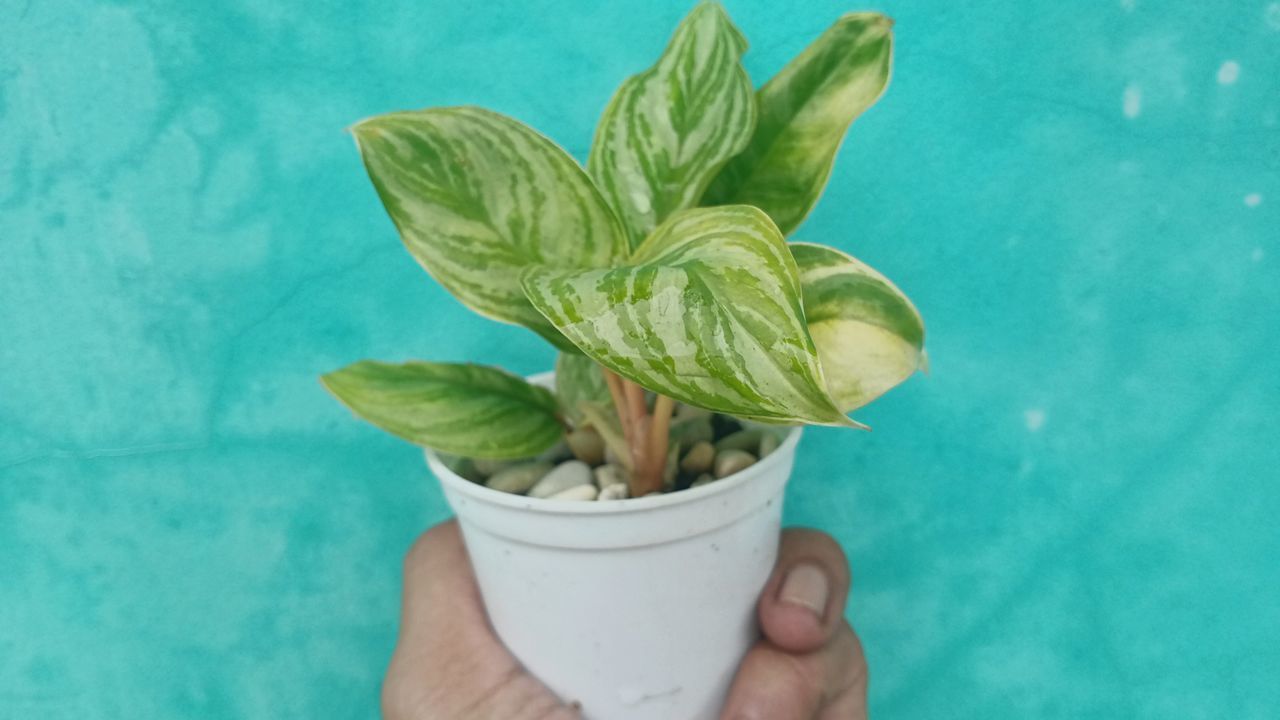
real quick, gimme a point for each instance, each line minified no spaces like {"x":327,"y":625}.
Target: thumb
{"x":802,"y":605}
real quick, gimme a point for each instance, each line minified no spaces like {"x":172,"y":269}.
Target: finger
{"x":773,"y":684}
{"x":802,"y":605}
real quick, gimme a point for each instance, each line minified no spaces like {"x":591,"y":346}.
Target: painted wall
{"x":1075,"y":515}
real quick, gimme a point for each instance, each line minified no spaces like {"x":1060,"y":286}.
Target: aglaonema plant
{"x":662,"y":272}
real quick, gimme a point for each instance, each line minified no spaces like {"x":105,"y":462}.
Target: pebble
{"x":729,"y":462}
{"x":671,"y":469}
{"x":488,"y":467}
{"x":741,"y":440}
{"x":586,"y":445}
{"x":617,"y":491}
{"x":555,"y":453}
{"x":699,"y":458}
{"x":519,"y":478}
{"x":703,"y":479}
{"x":688,"y":433}
{"x":610,"y":474}
{"x":577,"y":492}
{"x":463,"y":467}
{"x":565,"y":475}
{"x":689,"y":412}
{"x":768,"y":443}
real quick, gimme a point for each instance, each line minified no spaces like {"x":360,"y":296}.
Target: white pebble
{"x":729,"y":462}
{"x":610,"y":474}
{"x":613,"y":492}
{"x":519,"y":478}
{"x":578,"y":492}
{"x":565,"y":475}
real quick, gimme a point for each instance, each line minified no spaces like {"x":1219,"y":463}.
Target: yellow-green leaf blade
{"x":477,"y":197}
{"x":668,"y":130}
{"x":462,"y":409}
{"x":707,"y":311}
{"x":868,"y":334}
{"x":804,"y":113}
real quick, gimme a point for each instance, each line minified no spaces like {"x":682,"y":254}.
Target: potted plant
{"x":622,"y":517}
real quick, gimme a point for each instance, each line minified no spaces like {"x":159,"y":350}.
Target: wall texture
{"x":1074,"y":516}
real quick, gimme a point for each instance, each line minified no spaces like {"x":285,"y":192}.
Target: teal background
{"x":1075,"y":516}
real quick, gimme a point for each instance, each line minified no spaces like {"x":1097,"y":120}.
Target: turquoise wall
{"x":1076,"y":515}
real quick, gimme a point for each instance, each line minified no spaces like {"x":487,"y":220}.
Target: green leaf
{"x":869,"y":335}
{"x":668,"y":130}
{"x":707,"y":311}
{"x":804,"y":112}
{"x":579,"y":380}
{"x":462,"y":409}
{"x":477,"y":197}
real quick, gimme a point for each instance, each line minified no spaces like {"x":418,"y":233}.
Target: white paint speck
{"x":1257,"y":255}
{"x":1273,"y":15}
{"x":1229,"y":73}
{"x":1253,"y":200}
{"x":1035,"y":418}
{"x":1132,"y":101}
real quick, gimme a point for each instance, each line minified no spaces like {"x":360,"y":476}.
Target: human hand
{"x":449,"y":665}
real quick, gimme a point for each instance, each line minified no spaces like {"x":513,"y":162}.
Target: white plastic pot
{"x":637,"y":609}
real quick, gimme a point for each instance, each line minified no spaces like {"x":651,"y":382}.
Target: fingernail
{"x":806,"y":585}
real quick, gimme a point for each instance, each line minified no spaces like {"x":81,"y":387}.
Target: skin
{"x":448,"y":664}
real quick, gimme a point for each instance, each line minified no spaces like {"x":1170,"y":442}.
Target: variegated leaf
{"x":477,"y":197}
{"x":579,"y":380}
{"x":869,"y":335}
{"x":804,"y":112}
{"x":462,"y":409}
{"x":668,"y":130}
{"x":707,"y":311}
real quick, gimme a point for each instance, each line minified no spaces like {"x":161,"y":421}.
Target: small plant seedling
{"x":662,"y":271}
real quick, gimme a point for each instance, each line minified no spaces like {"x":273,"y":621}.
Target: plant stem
{"x":619,"y":398}
{"x":660,"y":439}
{"x":648,"y":437}
{"x":637,"y":411}
{"x":635,"y":401}
{"x":661,"y":435}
